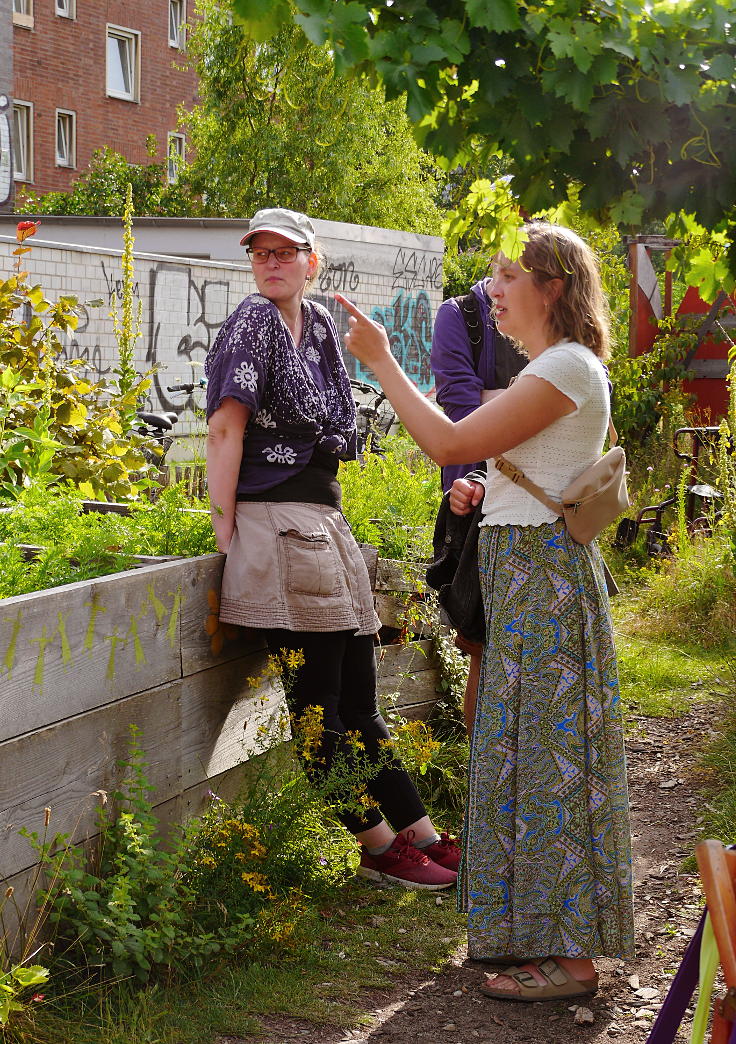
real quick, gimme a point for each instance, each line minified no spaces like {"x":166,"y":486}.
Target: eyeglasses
{"x":259,"y":255}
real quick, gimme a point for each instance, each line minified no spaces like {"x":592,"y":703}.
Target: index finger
{"x":351,"y":308}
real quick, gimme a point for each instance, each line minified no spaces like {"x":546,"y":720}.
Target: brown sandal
{"x":560,"y":985}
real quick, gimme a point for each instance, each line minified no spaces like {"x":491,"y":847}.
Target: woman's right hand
{"x":464,"y":496}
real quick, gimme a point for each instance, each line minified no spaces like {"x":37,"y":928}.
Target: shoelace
{"x":408,"y":851}
{"x":447,"y":840}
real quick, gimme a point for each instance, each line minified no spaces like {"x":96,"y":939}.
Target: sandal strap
{"x":549,"y":968}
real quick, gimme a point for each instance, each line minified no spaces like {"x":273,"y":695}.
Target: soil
{"x":447,"y":1008}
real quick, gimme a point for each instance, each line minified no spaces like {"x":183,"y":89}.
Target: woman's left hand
{"x":366,"y":340}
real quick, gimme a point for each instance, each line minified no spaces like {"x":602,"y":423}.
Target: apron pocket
{"x":310,"y":563}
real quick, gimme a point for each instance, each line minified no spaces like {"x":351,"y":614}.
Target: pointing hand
{"x":366,"y":340}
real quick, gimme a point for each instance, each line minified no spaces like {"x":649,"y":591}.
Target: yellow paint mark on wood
{"x":114,"y":639}
{"x":9,"y":658}
{"x":66,"y":652}
{"x":89,"y":638}
{"x":174,"y":617}
{"x":140,"y":656}
{"x":41,"y":642}
{"x":158,"y":606}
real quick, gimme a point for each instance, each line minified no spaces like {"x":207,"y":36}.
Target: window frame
{"x":24,"y":19}
{"x":180,"y":152}
{"x":180,"y":41}
{"x":71,"y":8}
{"x":72,"y":116}
{"x":26,"y":175}
{"x":133,"y":38}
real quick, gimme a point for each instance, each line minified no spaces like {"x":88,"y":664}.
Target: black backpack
{"x":508,"y":362}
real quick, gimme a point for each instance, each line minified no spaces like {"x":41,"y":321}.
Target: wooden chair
{"x":717,"y":866}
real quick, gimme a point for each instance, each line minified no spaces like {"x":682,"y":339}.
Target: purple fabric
{"x":458,"y":385}
{"x":732,"y":1038}
{"x":678,"y":997}
{"x":299,"y":397}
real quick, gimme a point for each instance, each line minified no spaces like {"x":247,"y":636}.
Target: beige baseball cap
{"x":287,"y":223}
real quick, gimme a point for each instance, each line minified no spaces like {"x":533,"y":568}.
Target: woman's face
{"x":281,"y":281}
{"x":520,"y":306}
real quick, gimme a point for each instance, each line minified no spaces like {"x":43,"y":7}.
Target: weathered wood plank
{"x":67,"y":650}
{"x":191,"y":729}
{"x":408,"y":674}
{"x":410,"y":711}
{"x":393,"y":575}
{"x":204,"y":640}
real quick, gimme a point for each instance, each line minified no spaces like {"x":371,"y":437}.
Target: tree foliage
{"x":101,"y":190}
{"x":276,"y":126}
{"x":633,"y":103}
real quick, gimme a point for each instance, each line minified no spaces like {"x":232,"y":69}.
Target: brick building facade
{"x":88,"y":73}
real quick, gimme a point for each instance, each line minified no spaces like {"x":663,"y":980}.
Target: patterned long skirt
{"x":547,"y":851}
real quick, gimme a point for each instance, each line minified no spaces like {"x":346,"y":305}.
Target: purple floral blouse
{"x":299,"y":395}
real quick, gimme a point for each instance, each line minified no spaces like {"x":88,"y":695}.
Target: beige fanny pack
{"x":592,"y":501}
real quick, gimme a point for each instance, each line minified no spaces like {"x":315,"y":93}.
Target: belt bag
{"x":591,"y":502}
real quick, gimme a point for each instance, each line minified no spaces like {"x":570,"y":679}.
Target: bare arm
{"x":529,"y":406}
{"x":224,"y":453}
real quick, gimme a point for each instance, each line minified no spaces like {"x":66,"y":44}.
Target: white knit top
{"x":558,"y":454}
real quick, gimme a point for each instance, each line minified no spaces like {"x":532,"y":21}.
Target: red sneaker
{"x":445,"y":852}
{"x":405,"y":865}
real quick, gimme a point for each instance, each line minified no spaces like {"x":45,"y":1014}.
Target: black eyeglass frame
{"x":275,"y":251}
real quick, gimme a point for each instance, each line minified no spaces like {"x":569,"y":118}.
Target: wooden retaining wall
{"x":80,"y":664}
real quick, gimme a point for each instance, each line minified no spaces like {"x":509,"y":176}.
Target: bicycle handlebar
{"x":188,"y":388}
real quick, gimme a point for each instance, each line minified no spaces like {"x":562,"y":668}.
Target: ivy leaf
{"x":263,"y":18}
{"x":628,"y":209}
{"x":502,"y":16}
{"x":722,"y":67}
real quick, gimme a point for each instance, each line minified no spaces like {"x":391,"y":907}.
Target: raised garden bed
{"x":80,"y":664}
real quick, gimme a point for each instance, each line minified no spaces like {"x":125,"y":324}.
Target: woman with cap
{"x":280,"y":419}
{"x":546,"y":872}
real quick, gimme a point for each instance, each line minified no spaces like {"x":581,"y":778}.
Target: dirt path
{"x":448,"y":1009}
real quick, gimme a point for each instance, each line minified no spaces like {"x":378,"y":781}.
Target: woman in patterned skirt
{"x":281,"y":418}
{"x":546,"y":873}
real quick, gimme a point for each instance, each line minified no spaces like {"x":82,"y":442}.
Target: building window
{"x":66,"y":138}
{"x":66,"y":8}
{"x":23,"y":13}
{"x":23,"y":141}
{"x":175,"y":156}
{"x":123,"y":63}
{"x":177,"y":18}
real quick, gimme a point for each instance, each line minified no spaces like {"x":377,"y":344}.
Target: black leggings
{"x":339,"y":675}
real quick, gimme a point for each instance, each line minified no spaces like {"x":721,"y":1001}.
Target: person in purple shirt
{"x":467,"y":375}
{"x":280,"y":418}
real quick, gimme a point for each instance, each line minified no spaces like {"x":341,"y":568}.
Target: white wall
{"x":394,"y":276}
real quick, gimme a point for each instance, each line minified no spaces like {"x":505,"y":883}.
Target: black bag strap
{"x":508,"y":360}
{"x":470,"y":311}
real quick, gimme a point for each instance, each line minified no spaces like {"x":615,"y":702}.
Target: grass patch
{"x":350,"y":944}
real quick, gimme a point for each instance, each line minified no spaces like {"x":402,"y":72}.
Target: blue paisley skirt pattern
{"x":547,"y":850}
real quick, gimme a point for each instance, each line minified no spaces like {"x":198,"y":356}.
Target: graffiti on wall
{"x":184,"y":309}
{"x":414,"y":270}
{"x":81,"y":345}
{"x":408,"y":322}
{"x":184,"y":318}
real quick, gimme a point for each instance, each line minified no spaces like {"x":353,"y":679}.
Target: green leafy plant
{"x":128,"y":912}
{"x":15,"y":984}
{"x":391,"y":501}
{"x":127,"y":324}
{"x":72,"y":545}
{"x":101,"y":189}
{"x":55,"y":424}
